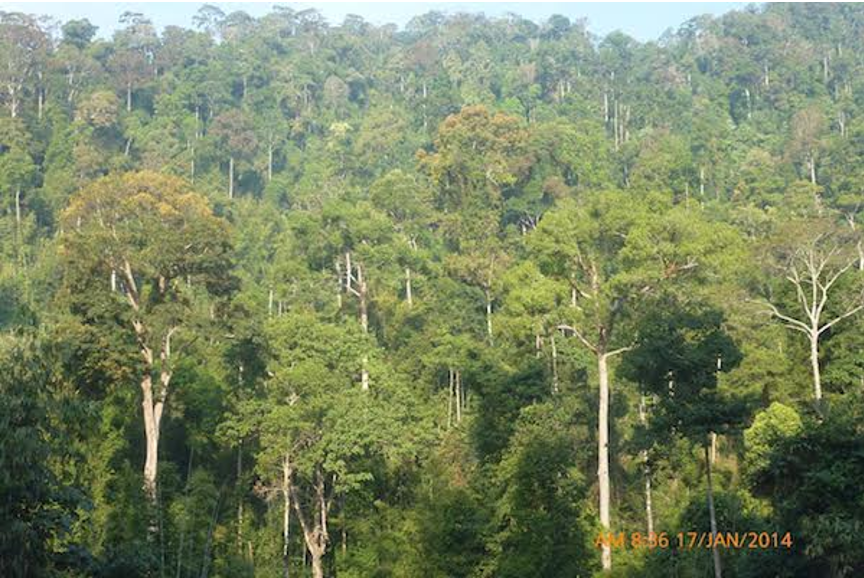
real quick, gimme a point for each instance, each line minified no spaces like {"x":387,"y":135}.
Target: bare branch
{"x":791,"y":322}
{"x":620,"y":350}
{"x":578,"y":334}
{"x":836,"y":320}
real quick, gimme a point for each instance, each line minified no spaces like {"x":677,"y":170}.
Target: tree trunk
{"x":364,"y":323}
{"x":152,"y":418}
{"x":715,"y":553}
{"x":269,"y":162}
{"x":408,"y":295}
{"x":457,"y":382}
{"x":603,"y":455}
{"x":814,"y":362}
{"x":489,"y":315}
{"x":240,"y":499}
{"x":713,"y":447}
{"x":18,"y":209}
{"x":449,"y":397}
{"x":555,"y":387}
{"x":231,"y":177}
{"x":646,"y":471}
{"x":317,"y":564}
{"x":128,"y":97}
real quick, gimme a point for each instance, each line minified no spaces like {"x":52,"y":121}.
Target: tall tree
{"x":820,"y":270}
{"x":612,"y":251}
{"x":154,"y":247}
{"x":679,"y":359}
{"x":236,"y":136}
{"x":23,"y":47}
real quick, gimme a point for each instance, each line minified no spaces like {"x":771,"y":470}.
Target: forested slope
{"x":283,"y":297}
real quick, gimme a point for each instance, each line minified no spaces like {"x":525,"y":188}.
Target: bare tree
{"x":814,"y":270}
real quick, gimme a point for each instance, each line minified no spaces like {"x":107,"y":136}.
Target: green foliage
{"x":467,"y":214}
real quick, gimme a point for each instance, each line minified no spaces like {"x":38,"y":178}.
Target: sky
{"x":643,"y":21}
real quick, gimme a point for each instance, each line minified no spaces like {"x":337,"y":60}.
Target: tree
{"x":22,"y":46}
{"x":817,"y":270}
{"x":154,"y":247}
{"x":478,"y":157}
{"x":36,"y":507}
{"x":317,"y":427}
{"x":134,"y":54}
{"x":78,"y":33}
{"x":612,"y":251}
{"x":17,"y":169}
{"x":541,"y":530}
{"x":236,"y":136}
{"x":808,"y":467}
{"x":678,"y":360}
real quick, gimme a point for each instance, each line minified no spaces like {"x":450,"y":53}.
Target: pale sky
{"x":643,"y":21}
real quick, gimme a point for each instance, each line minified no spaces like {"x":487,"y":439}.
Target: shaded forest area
{"x":283,"y":297}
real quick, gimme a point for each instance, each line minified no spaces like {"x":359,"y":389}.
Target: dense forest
{"x":475,"y":297}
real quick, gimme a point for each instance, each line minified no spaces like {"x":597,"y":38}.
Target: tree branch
{"x":581,"y":337}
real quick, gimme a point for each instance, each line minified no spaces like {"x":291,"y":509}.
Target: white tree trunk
{"x":554,"y":348}
{"x":231,"y":177}
{"x":18,"y":209}
{"x":489,"y":316}
{"x":458,"y":385}
{"x":408,"y":294}
{"x":152,"y":420}
{"x":814,"y":363}
{"x":646,"y":471}
{"x":603,"y":455}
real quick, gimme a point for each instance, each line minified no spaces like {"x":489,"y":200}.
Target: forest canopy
{"x":476,"y":297}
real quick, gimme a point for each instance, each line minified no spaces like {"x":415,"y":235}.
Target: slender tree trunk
{"x":449,"y":397}
{"x":489,"y":315}
{"x":603,"y":455}
{"x":231,"y":177}
{"x":269,"y":162}
{"x":128,"y":97}
{"x":343,"y":524}
{"x":715,"y":553}
{"x":240,"y":498}
{"x":408,"y":295}
{"x":18,"y":209}
{"x":713,"y":447}
{"x":814,"y":362}
{"x":554,"y":348}
{"x":364,"y":323}
{"x":646,"y":471}
{"x":458,"y":385}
